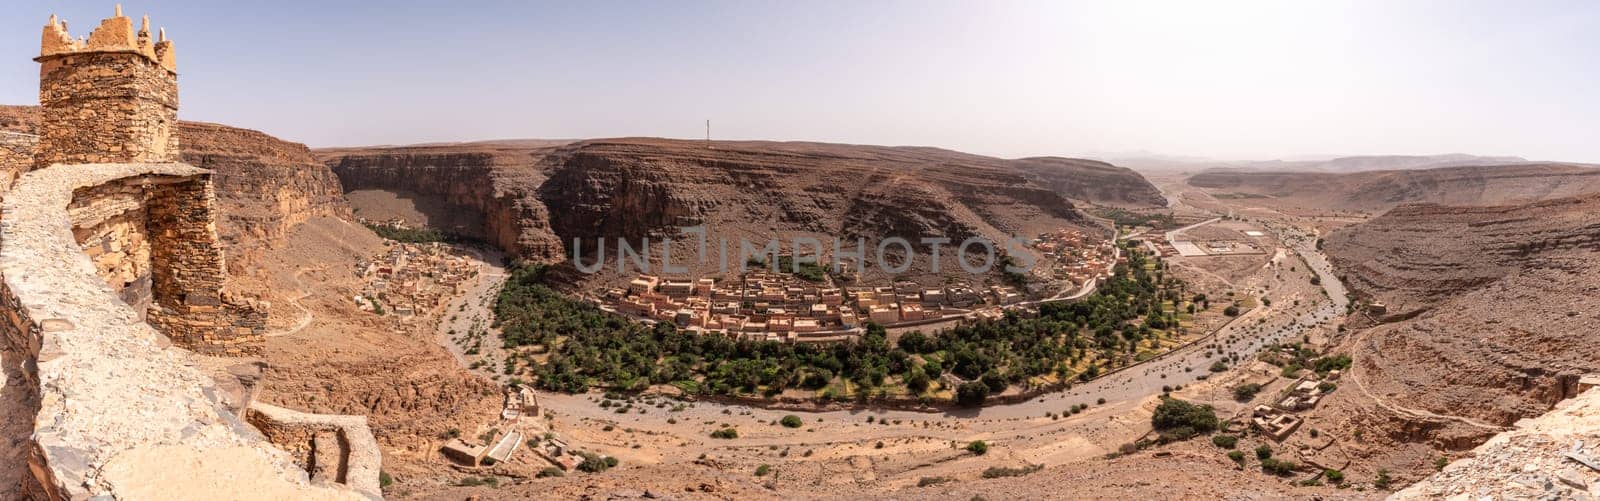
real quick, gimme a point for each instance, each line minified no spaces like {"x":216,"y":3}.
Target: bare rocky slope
{"x":1376,"y":191}
{"x":1092,"y":181}
{"x":1488,"y":308}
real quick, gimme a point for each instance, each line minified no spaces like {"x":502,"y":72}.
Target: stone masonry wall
{"x":106,"y":107}
{"x":118,"y":411}
{"x":188,"y":273}
{"x":109,"y":222}
{"x":16,"y":156}
{"x":331,"y":447}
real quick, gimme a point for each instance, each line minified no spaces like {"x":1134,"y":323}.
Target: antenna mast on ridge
{"x":708,"y":133}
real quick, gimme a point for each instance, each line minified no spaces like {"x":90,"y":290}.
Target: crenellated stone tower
{"x":110,"y":99}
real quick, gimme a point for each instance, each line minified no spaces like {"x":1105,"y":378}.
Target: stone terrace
{"x":123,"y":413}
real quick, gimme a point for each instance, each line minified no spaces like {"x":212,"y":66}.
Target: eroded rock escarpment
{"x":1092,"y":181}
{"x":497,"y":180}
{"x":1488,"y":308}
{"x":1382,"y":190}
{"x":265,"y":185}
{"x":538,"y":197}
{"x":630,"y":187}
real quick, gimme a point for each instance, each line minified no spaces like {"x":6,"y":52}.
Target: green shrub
{"x":763,"y":470}
{"x":1245,"y":392}
{"x":1001,"y":471}
{"x":725,"y":433}
{"x":978,"y":447}
{"x":1264,"y":451}
{"x":550,"y":472}
{"x":593,"y":463}
{"x":972,"y":394}
{"x":791,"y":421}
{"x":1334,"y":476}
{"x":1236,"y":456}
{"x":1225,"y":441}
{"x":1177,"y":419}
{"x":1277,"y":467}
{"x":927,"y":481}
{"x":384,"y":480}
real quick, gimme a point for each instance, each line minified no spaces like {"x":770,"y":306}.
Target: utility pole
{"x":708,"y":133}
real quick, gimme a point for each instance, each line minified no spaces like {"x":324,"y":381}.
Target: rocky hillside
{"x":1528,"y":462}
{"x":1486,"y":305}
{"x":1376,"y":191}
{"x":1092,"y":181}
{"x":264,"y":185}
{"x":536,"y":198}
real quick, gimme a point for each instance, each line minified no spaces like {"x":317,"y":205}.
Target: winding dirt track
{"x":1417,"y":414}
{"x":306,"y":316}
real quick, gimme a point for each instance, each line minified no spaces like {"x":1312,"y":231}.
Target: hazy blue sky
{"x":1207,"y":78}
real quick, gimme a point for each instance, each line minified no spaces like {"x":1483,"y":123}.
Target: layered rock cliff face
{"x":1092,"y":181}
{"x":498,"y":181}
{"x":537,"y":198}
{"x":630,"y":187}
{"x":1488,"y":307}
{"x":266,"y":186}
{"x":1382,"y":190}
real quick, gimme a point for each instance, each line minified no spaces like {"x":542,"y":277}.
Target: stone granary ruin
{"x":114,"y":281}
{"x":153,"y":238}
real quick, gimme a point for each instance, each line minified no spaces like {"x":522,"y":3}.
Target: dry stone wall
{"x":16,"y":156}
{"x":331,"y":447}
{"x":120,"y":409}
{"x":106,"y":107}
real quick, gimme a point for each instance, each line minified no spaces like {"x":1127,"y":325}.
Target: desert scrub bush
{"x":1225,"y":441}
{"x":1003,"y":471}
{"x":978,"y":447}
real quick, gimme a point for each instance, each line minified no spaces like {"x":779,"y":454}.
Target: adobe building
{"x":112,"y":278}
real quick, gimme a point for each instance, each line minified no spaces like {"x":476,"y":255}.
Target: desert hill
{"x":1409,"y":162}
{"x":1487,"y":307}
{"x":1092,"y":181}
{"x":1376,"y":191}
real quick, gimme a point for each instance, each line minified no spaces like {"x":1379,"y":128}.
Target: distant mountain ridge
{"x":1382,"y":190}
{"x":1330,"y":164}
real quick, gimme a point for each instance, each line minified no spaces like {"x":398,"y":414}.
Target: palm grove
{"x":1128,"y":318}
